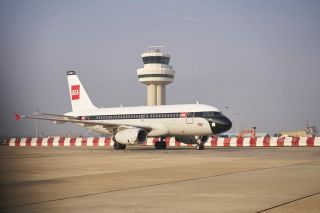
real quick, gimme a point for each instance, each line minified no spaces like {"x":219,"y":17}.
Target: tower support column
{"x":151,"y":95}
{"x":161,"y":94}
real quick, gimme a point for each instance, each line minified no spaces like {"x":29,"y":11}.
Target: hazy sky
{"x":260,"y":58}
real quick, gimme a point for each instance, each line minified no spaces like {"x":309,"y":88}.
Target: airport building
{"x":309,"y":131}
{"x":156,"y":74}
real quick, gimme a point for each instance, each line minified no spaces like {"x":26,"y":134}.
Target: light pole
{"x":237,"y":114}
{"x":37,"y":125}
{"x":238,"y":118}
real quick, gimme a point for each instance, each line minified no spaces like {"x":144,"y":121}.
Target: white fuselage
{"x":167,"y":120}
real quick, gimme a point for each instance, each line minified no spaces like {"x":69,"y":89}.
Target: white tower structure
{"x":156,"y":74}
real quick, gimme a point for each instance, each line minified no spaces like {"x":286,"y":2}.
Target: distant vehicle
{"x":189,"y":123}
{"x":4,"y":140}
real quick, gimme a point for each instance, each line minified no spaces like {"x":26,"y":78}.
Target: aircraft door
{"x":189,"y":118}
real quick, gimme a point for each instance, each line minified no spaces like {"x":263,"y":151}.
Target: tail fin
{"x":17,"y":116}
{"x":80,"y":100}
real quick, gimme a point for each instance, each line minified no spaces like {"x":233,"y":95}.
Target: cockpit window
{"x":209,"y":114}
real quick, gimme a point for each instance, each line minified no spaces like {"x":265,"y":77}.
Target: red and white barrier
{"x":212,"y":142}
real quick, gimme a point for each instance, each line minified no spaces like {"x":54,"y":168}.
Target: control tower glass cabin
{"x":156,"y":74}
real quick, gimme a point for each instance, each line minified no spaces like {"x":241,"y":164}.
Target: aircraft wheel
{"x":158,"y":145}
{"x":163,"y":145}
{"x":200,"y":147}
{"x":117,"y":146}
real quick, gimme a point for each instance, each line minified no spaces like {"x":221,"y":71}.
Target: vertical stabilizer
{"x":80,"y":100}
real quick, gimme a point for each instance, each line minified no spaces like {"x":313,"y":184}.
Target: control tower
{"x":156,"y":74}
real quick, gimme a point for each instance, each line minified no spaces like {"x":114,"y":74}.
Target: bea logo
{"x":75,"y":92}
{"x":183,"y":114}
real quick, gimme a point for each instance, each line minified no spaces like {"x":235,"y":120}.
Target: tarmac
{"x":142,"y":179}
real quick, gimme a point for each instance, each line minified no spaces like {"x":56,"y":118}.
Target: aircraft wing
{"x":56,"y":115}
{"x":111,"y":126}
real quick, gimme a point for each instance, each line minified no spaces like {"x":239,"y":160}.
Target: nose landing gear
{"x":201,"y":140}
{"x":200,"y":146}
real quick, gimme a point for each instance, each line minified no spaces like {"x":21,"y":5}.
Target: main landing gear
{"x":118,"y":146}
{"x":160,"y":144}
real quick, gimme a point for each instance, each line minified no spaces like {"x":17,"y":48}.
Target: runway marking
{"x":53,"y":155}
{"x":30,"y":157}
{"x":292,"y":201}
{"x":152,"y":185}
{"x":41,"y":156}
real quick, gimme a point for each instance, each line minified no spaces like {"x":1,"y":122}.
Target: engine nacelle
{"x":130,"y":136}
{"x":192,"y":139}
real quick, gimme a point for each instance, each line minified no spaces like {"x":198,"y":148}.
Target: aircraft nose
{"x":222,"y":124}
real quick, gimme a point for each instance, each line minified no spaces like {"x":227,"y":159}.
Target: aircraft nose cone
{"x":227,"y":125}
{"x":222,"y":124}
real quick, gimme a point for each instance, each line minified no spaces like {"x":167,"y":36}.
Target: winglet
{"x":17,"y":116}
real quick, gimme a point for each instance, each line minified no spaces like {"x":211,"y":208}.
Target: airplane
{"x":188,"y":123}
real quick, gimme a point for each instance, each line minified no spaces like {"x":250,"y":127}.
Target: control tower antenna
{"x":155,"y":48}
{"x":156,"y":74}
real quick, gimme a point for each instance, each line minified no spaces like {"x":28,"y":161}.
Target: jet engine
{"x":192,"y":139}
{"x":130,"y":136}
